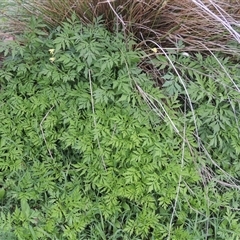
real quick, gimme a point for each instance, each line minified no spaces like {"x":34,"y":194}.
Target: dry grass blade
{"x":201,"y":24}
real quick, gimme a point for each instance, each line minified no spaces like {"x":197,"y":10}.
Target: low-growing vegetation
{"x":104,"y":138}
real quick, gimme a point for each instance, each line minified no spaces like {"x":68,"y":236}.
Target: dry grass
{"x":201,"y":25}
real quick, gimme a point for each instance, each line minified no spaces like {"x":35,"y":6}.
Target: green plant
{"x":77,"y":138}
{"x":211,"y":86}
{"x":208,"y":90}
{"x":90,"y":149}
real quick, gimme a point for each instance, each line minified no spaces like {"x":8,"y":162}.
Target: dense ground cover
{"x":104,"y":139}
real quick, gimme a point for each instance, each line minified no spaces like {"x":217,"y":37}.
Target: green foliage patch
{"x":83,"y":156}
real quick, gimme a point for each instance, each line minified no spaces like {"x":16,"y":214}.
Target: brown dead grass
{"x":201,"y":25}
{"x":207,"y":25}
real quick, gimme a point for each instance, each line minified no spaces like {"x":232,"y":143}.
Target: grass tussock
{"x":201,"y":25}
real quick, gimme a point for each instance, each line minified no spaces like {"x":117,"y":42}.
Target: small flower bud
{"x":51,"y":51}
{"x":52,"y":59}
{"x":154,"y":50}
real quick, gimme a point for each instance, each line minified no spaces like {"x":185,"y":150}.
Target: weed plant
{"x":92,"y":149}
{"x":114,"y":126}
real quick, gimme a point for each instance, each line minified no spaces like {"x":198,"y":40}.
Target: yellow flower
{"x":52,"y":59}
{"x":51,"y":51}
{"x":154,"y":50}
